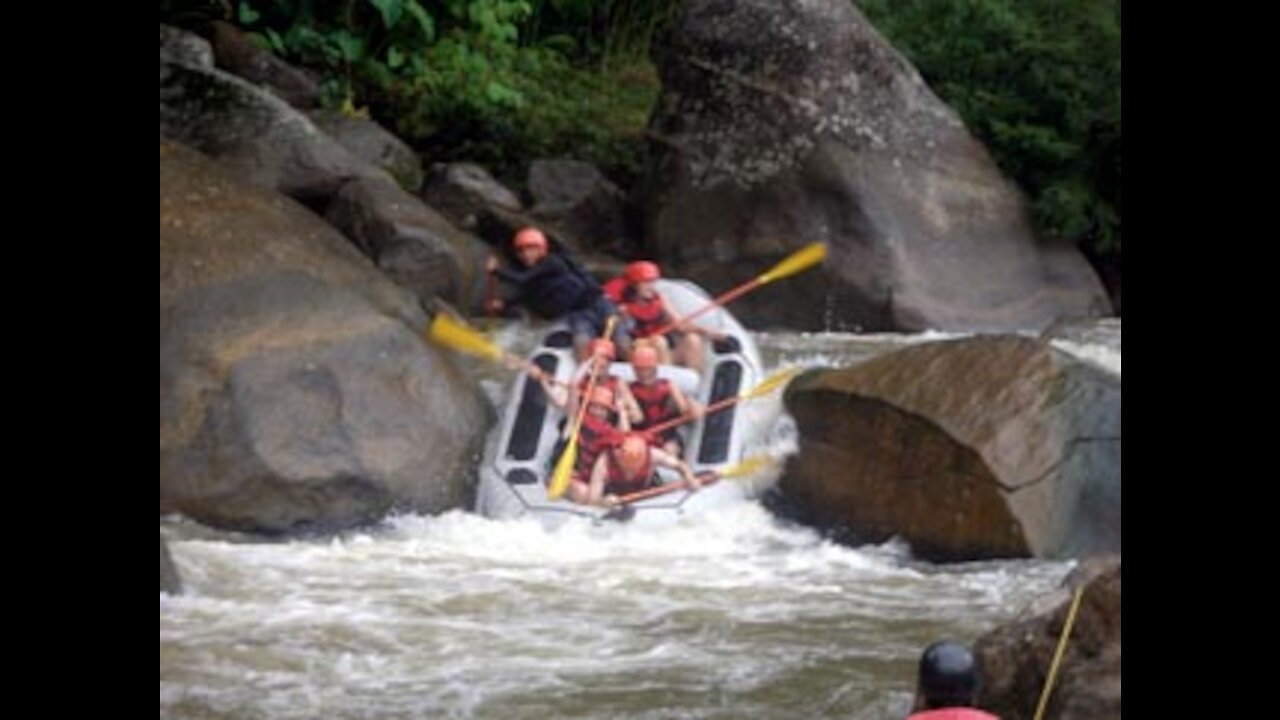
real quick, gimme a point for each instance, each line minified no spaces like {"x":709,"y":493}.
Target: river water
{"x":731,"y":614}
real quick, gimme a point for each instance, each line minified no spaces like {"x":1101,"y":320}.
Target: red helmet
{"x":602,"y":395}
{"x":530,"y":237}
{"x":642,"y":271}
{"x":602,"y":346}
{"x":633,"y":452}
{"x":644,"y":357}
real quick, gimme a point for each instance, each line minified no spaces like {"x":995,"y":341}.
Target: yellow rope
{"x":1057,"y":655}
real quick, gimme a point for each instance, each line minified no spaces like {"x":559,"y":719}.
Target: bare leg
{"x":691,"y":352}
{"x":595,"y":493}
{"x":661,"y":345}
{"x":579,"y":493}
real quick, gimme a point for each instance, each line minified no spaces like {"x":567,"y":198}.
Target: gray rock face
{"x":373,"y":144}
{"x":974,"y":448}
{"x":412,"y":243}
{"x":296,"y":391}
{"x":463,"y":192}
{"x":784,"y":122}
{"x":585,"y":207}
{"x":1015,"y":658}
{"x":236,"y":53}
{"x":184,"y":47}
{"x":254,"y":134}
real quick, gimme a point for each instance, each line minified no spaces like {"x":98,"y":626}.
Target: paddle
{"x":799,"y":261}
{"x":766,"y":386}
{"x":563,"y":471}
{"x":454,"y":333}
{"x":1057,"y":653}
{"x":748,"y":466}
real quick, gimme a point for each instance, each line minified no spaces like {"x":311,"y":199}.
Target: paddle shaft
{"x":560,"y":475}
{"x":766,"y":386}
{"x":596,"y":372}
{"x":687,"y":417}
{"x":1057,"y":654}
{"x":708,"y":477}
{"x":727,"y":297}
{"x":583,"y":400}
{"x":799,"y":261}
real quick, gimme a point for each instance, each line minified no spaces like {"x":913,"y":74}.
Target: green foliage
{"x":599,"y":116}
{"x":604,"y":31}
{"x":495,"y":81}
{"x":1038,"y":81}
{"x":363,"y":48}
{"x":504,"y":81}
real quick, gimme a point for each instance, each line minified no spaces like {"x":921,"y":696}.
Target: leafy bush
{"x":495,"y":81}
{"x":1038,"y":81}
{"x":502,"y":82}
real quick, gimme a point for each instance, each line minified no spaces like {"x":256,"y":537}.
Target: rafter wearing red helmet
{"x":554,"y":286}
{"x":629,"y":466}
{"x":601,"y":355}
{"x":649,"y":311}
{"x":659,"y":399}
{"x":599,"y":433}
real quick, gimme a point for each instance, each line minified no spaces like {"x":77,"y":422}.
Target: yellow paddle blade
{"x":771,"y":383}
{"x":564,"y":470}
{"x":803,"y":259}
{"x":564,"y":466}
{"x":454,"y":333}
{"x":746,"y":466}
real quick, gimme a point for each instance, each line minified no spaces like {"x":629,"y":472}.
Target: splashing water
{"x":729,"y":614}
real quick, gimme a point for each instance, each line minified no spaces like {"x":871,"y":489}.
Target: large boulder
{"x":412,"y":243}
{"x":1015,"y":657}
{"x":181,"y":46}
{"x":237,"y":54}
{"x":254,"y":134}
{"x":373,"y":144}
{"x":586,"y":208}
{"x":296,"y":391}
{"x":784,"y":122}
{"x":997,"y":446}
{"x":470,"y":198}
{"x":464,"y":192}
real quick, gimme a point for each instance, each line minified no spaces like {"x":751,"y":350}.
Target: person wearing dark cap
{"x":947,"y":684}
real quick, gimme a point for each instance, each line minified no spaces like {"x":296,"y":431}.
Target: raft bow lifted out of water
{"x":518,"y":454}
